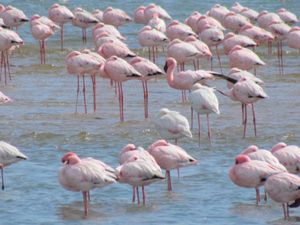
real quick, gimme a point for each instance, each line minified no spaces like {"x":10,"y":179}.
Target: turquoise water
{"x":41,"y":122}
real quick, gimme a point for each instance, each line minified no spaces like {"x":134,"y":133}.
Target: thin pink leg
{"x":84,"y":95}
{"x":192,"y":117}
{"x":149,"y":53}
{"x":220,"y":63}
{"x":243,"y":113}
{"x":257,"y":196}
{"x":41,"y":57}
{"x":89,"y":195}
{"x":133,"y":194}
{"x":85,"y":203}
{"x":62,"y":37}
{"x":265,"y":196}
{"x":144,"y":195}
{"x":199,"y":128}
{"x":254,"y":119}
{"x":245,"y":120}
{"x":8,"y":65}
{"x":168,"y":175}
{"x":208,"y":129}
{"x":2,"y":177}
{"x":144,"y":83}
{"x":2,"y":64}
{"x":78,"y":86}
{"x":153,"y":54}
{"x":94,"y":90}
{"x":138,"y":195}
{"x":122,"y":102}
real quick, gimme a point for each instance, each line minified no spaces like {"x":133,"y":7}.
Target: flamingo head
{"x":129,"y":147}
{"x":170,"y":63}
{"x":70,"y":158}
{"x":278,"y":146}
{"x":250,"y":149}
{"x":242,"y":159}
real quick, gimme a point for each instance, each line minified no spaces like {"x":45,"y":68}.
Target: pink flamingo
{"x":251,"y":14}
{"x":178,"y":30}
{"x":126,"y":154}
{"x":83,"y":19}
{"x":100,"y":28}
{"x":207,"y":21}
{"x":204,"y":101}
{"x":244,"y":58}
{"x":61,"y":15}
{"x":284,"y":188}
{"x":231,"y":40}
{"x":151,"y":38}
{"x":280,"y":31}
{"x":139,"y":171}
{"x":237,"y":7}
{"x":257,"y":34}
{"x":287,"y":16}
{"x":80,"y":64}
{"x":8,"y":155}
{"x":84,"y":174}
{"x":98,"y":14}
{"x":234,"y":22}
{"x":251,"y":173}
{"x":184,"y":80}
{"x":192,"y":20}
{"x":293,"y":37}
{"x":13,"y":17}
{"x":148,"y":70}
{"x":212,"y":36}
{"x":8,"y":40}
{"x":238,"y":74}
{"x":288,"y":155}
{"x":139,"y":15}
{"x":172,"y":125}
{"x":169,"y":156}
{"x":112,"y":48}
{"x":152,"y":9}
{"x":118,"y":70}
{"x":218,"y":12}
{"x":41,"y":29}
{"x":2,"y":24}
{"x":202,"y":47}
{"x":104,"y":37}
{"x":115,"y":17}
{"x":157,"y":23}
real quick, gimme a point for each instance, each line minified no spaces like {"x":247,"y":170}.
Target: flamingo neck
{"x":170,"y":74}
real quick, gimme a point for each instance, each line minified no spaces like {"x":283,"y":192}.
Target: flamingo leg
{"x":144,"y":195}
{"x":149,"y":53}
{"x":219,"y":59}
{"x":5,"y":67}
{"x":8,"y":64}
{"x":78,"y":85}
{"x":245,"y":120}
{"x":169,"y":180}
{"x":121,"y":103}
{"x":257,"y":196}
{"x":138,"y":195}
{"x":2,"y":177}
{"x":192,"y":117}
{"x":94,"y":90}
{"x":84,"y":94}
{"x":41,"y":57}
{"x":199,"y":128}
{"x":265,"y":196}
{"x":89,"y":195}
{"x":254,"y":119}
{"x":270,"y":47}
{"x":243,"y":113}
{"x":133,"y":194}
{"x":208,"y":129}
{"x":287,"y":211}
{"x":85,"y":203}
{"x":144,"y":83}
{"x":62,"y":37}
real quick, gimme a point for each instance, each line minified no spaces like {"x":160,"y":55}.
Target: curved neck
{"x":170,"y":74}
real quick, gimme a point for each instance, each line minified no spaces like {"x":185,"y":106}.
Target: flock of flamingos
{"x":184,"y":43}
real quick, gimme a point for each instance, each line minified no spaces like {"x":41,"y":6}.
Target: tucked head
{"x":70,"y":158}
{"x":242,"y":159}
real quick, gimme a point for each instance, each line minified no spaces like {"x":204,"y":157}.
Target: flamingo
{"x":178,"y":30}
{"x":148,"y":70}
{"x":171,"y":124}
{"x":231,"y":40}
{"x":115,"y":17}
{"x":288,"y":155}
{"x":234,"y":22}
{"x":157,"y":23}
{"x":152,"y":9}
{"x":2,"y":24}
{"x":207,"y":21}
{"x":218,"y":12}
{"x":61,"y":15}
{"x":169,"y":156}
{"x":251,"y":14}
{"x":8,"y":155}
{"x":13,"y":17}
{"x":104,"y":37}
{"x":293,"y":37}
{"x":204,"y":101}
{"x":287,"y":16}
{"x":4,"y":99}
{"x":244,"y":58}
{"x":139,"y":15}
{"x":98,"y":14}
{"x":251,"y":173}
{"x":112,"y":48}
{"x":139,"y":171}
{"x":83,"y":19}
{"x":284,"y":188}
{"x":41,"y":29}
{"x":192,"y":20}
{"x":84,"y":174}
{"x":237,"y":7}
{"x":129,"y":151}
{"x":184,"y":80}
{"x":8,"y":39}
{"x":151,"y":38}
{"x":100,"y":28}
{"x":118,"y":70}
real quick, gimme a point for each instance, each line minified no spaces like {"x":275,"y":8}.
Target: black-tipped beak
{"x":166,"y":67}
{"x":24,"y":20}
{"x":4,"y":26}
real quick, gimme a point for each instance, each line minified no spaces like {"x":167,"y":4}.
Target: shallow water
{"x":41,"y":122}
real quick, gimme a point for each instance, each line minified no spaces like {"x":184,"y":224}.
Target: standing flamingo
{"x":83,"y":19}
{"x":139,"y":15}
{"x":115,"y":17}
{"x":41,"y":29}
{"x":172,"y":125}
{"x":61,"y":15}
{"x":178,"y":30}
{"x":251,"y":173}
{"x":13,"y":17}
{"x":8,"y":39}
{"x":251,"y":14}
{"x":118,"y":70}
{"x":156,"y":9}
{"x":218,"y":12}
{"x":169,"y":156}
{"x":238,"y":74}
{"x":288,"y":155}
{"x":204,"y":101}
{"x":234,"y":22}
{"x":84,"y":174}
{"x":100,"y":28}
{"x":231,"y":40}
{"x":287,"y":16}
{"x":9,"y":155}
{"x":112,"y":48}
{"x":192,"y":20}
{"x":98,"y":14}
{"x":139,"y":171}
{"x":148,"y":70}
{"x":157,"y":23}
{"x":293,"y":37}
{"x":284,"y":188}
